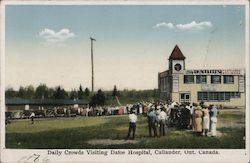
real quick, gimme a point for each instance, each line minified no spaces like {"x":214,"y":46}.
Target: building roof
{"x":177,"y":54}
{"x":18,"y":101}
{"x":164,"y":73}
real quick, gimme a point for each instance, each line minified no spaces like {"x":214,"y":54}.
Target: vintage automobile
{"x":49,"y":113}
{"x":39,"y":113}
{"x":26,"y":114}
{"x":60,"y":112}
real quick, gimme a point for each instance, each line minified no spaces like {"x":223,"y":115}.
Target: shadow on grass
{"x":76,"y":138}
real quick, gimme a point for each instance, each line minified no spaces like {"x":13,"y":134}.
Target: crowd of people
{"x":200,"y":118}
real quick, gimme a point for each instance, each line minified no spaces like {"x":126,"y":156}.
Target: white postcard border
{"x":225,"y":155}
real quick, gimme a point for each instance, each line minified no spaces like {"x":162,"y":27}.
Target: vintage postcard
{"x":124,"y":81}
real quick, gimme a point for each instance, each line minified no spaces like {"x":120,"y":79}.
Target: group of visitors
{"x":205,"y":119}
{"x":157,"y":118}
{"x":200,"y":118}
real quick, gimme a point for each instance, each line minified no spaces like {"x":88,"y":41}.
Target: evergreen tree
{"x":21,"y":92}
{"x":86,"y":92}
{"x":80,"y":93}
{"x":73,"y":94}
{"x":60,"y":93}
{"x":115,"y":92}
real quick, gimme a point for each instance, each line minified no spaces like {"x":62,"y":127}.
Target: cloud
{"x":51,"y":36}
{"x":163,"y":24}
{"x":189,"y":26}
{"x":194,"y":26}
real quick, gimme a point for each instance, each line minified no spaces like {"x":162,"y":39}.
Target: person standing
{"x":162,"y":121}
{"x":132,"y":124}
{"x":198,"y":120}
{"x":172,"y":105}
{"x":32,"y":116}
{"x":193,"y":115}
{"x":152,"y":122}
{"x":157,"y":113}
{"x":191,"y":111}
{"x":205,"y":121}
{"x":214,"y":114}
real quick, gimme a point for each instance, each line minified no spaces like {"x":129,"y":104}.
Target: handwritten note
{"x":34,"y":158}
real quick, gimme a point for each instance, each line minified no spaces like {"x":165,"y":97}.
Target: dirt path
{"x":110,"y":142}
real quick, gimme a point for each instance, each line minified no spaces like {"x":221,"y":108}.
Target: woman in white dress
{"x":214,"y":113}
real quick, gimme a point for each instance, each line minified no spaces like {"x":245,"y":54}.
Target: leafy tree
{"x":86,"y":92}
{"x":10,"y":93}
{"x":29,"y":92}
{"x":98,"y":99}
{"x":42,"y":91}
{"x":51,"y":93}
{"x":80,"y":93}
{"x":93,"y":101}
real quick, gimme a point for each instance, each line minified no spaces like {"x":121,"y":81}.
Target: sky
{"x":50,"y":43}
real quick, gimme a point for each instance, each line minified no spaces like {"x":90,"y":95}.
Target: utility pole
{"x":92,"y":64}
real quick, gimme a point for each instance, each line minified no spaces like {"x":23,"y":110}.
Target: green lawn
{"x":76,"y":132}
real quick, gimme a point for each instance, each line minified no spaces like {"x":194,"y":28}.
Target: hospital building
{"x":213,"y":86}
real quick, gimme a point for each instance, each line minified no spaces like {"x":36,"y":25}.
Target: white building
{"x":213,"y":86}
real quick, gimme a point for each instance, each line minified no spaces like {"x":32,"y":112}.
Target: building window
{"x":235,"y":95}
{"x":202,"y":96}
{"x":228,"y":79}
{"x":213,"y":96}
{"x":221,"y":96}
{"x":215,"y":79}
{"x":201,"y":79}
{"x":188,"y":78}
{"x":217,"y":96}
{"x":227,"y":95}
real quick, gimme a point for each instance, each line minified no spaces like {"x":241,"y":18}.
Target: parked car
{"x":39,"y":113}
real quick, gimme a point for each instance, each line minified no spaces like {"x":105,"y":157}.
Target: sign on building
{"x":241,"y":83}
{"x":208,"y":87}
{"x":175,"y":83}
{"x":216,"y":72}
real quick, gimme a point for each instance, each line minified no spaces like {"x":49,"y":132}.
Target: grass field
{"x":109,"y":132}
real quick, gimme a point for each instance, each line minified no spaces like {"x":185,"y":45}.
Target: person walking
{"x":152,"y":122}
{"x":32,"y":116}
{"x":214,"y":114}
{"x":205,"y":120}
{"x":162,"y":121}
{"x":132,"y":124}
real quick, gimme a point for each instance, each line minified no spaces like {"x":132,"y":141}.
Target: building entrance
{"x":185,"y":97}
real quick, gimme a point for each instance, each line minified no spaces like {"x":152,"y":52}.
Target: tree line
{"x":97,"y":98}
{"x":44,"y":92}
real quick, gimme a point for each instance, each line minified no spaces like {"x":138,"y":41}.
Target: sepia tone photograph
{"x":130,"y":76}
